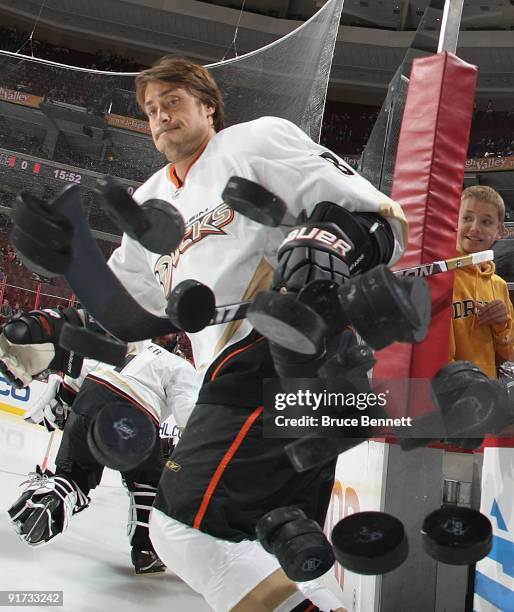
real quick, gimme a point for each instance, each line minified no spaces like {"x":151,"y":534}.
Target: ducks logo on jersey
{"x":210,"y":223}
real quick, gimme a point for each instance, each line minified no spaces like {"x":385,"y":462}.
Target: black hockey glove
{"x":332,"y":245}
{"x":329,"y":247}
{"x":28,"y":345}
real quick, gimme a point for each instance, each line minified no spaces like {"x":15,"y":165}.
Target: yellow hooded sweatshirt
{"x":485,"y":345}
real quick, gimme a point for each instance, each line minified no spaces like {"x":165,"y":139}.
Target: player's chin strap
{"x":141,"y":501}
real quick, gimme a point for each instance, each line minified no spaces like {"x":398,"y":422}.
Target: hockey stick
{"x":445,"y":265}
{"x":107,"y":300}
{"x":232,"y":312}
{"x":97,"y":287}
{"x":44,"y":463}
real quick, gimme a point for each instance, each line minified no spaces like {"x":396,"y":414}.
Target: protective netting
{"x":378,"y":158}
{"x":379,"y":155}
{"x":64,"y":125}
{"x":288,"y":78}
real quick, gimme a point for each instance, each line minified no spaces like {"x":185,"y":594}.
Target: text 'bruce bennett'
{"x":362,"y":420}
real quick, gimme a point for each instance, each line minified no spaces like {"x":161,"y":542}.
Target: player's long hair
{"x":193,"y":77}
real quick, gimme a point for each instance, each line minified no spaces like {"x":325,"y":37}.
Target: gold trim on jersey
{"x":261,"y":281}
{"x":390,"y":208}
{"x":117,"y":382}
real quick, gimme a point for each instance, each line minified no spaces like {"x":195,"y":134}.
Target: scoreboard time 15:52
{"x":36,"y":167}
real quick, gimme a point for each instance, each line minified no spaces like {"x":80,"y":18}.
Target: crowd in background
{"x":19,"y":41}
{"x":346,"y":130}
{"x":346,"y":126}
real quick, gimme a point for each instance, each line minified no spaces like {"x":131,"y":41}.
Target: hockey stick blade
{"x":92,"y":344}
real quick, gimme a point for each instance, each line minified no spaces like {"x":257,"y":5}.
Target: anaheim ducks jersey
{"x":155,"y":379}
{"x":225,"y":250}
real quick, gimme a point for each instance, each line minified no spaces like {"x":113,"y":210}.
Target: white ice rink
{"x":90,"y":562}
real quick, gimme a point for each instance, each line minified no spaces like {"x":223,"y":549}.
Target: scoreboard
{"x":14,"y":164}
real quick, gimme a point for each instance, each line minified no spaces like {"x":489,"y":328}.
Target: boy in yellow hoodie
{"x":483,"y":316}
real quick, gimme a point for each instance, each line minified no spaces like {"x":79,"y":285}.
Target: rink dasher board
{"x":359,"y":486}
{"x":18,"y":401}
{"x":494,"y":579}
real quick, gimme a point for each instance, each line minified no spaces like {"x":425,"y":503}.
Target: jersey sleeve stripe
{"x":232,"y":355}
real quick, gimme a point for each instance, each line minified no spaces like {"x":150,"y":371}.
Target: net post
{"x":450,"y":26}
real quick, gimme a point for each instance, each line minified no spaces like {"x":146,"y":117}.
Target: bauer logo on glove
{"x":322,"y":235}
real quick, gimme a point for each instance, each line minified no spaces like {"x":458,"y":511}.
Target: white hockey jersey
{"x":231,"y":254}
{"x":159,"y":381}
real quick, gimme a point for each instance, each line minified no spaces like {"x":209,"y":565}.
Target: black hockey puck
{"x":191,"y":306}
{"x":370,"y":543}
{"x":92,"y":345}
{"x":123,"y":210}
{"x":421,"y":305}
{"x":41,"y":235}
{"x":457,"y":535}
{"x":254,"y":201}
{"x":165,"y":227}
{"x":121,"y":437}
{"x":380,"y":307}
{"x":273,"y":520}
{"x":37,"y":257}
{"x":303,"y":550}
{"x":322,"y":297}
{"x":299,"y":543}
{"x":287,"y":322}
{"x":157,"y":225}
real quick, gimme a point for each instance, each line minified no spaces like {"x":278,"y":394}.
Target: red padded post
{"x":428,"y":180}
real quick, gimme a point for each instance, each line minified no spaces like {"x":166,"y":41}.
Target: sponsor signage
{"x":20,"y":97}
{"x":127,"y":123}
{"x":17,"y":401}
{"x":488,"y":164}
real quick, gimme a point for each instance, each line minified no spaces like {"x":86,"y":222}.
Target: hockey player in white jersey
{"x":153,"y":381}
{"x":225,"y":475}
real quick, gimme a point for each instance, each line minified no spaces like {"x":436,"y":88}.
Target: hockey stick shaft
{"x":445,"y":265}
{"x":233,"y":312}
{"x":44,"y":463}
{"x":104,"y":297}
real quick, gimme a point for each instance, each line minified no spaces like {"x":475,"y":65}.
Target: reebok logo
{"x":172,"y":465}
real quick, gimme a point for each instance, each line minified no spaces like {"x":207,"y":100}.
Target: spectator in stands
{"x":6,"y":309}
{"x":483,"y":316}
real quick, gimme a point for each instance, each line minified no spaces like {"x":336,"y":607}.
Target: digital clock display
{"x":53,"y":170}
{"x":65,"y":175}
